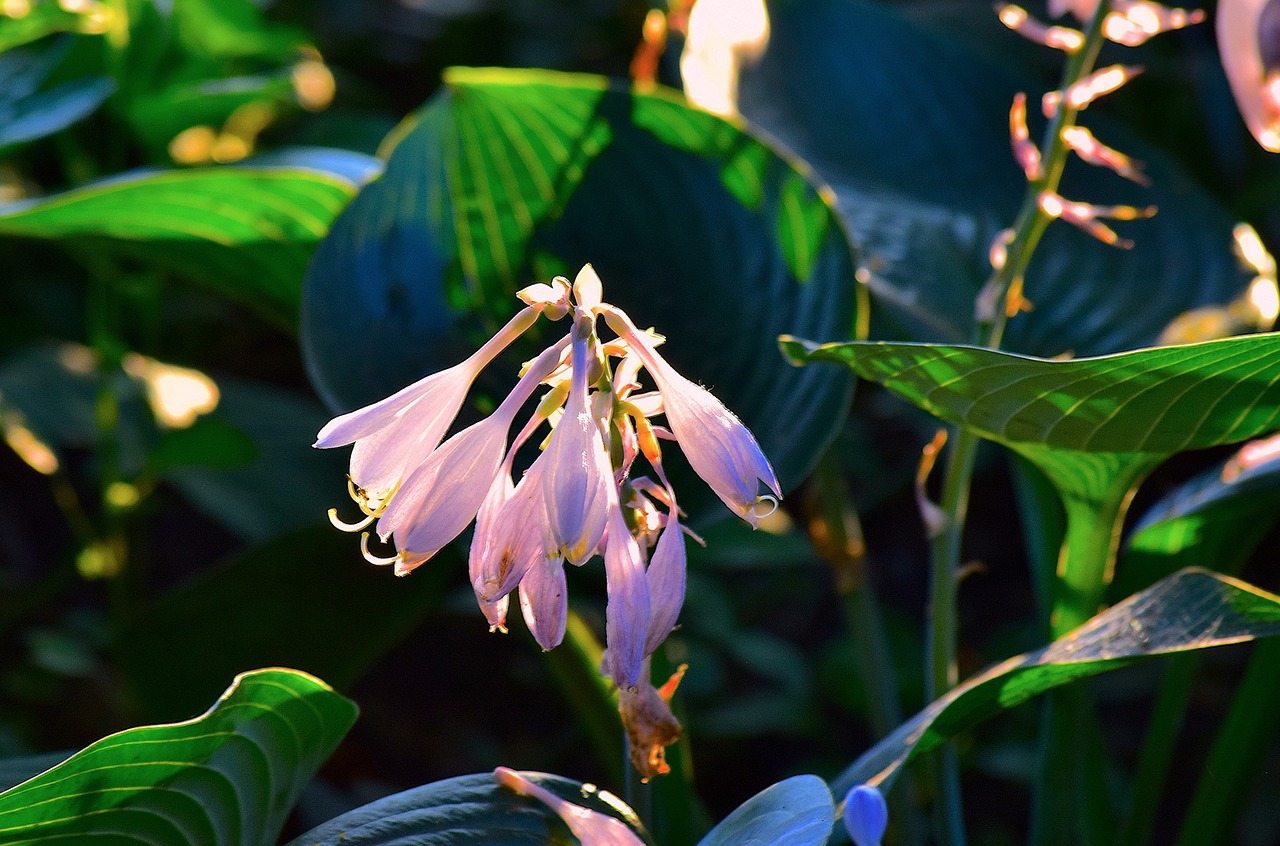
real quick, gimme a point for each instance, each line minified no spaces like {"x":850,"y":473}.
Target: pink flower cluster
{"x":578,"y":498}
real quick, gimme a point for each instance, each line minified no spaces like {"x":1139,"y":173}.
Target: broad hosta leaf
{"x":1096,"y":426}
{"x":305,"y":599}
{"x":17,"y":770}
{"x":508,"y":177}
{"x":1157,"y":401}
{"x":467,"y":809}
{"x":910,"y":129}
{"x":797,"y":812}
{"x":1192,"y":609}
{"x":228,"y":776}
{"x":245,"y":232}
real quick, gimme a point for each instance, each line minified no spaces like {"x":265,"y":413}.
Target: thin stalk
{"x":945,"y":550}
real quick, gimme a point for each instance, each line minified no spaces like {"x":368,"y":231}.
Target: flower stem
{"x":945,"y":549}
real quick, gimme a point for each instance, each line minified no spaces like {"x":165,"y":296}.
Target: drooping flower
{"x":719,"y":448}
{"x":577,"y":499}
{"x":592,"y":828}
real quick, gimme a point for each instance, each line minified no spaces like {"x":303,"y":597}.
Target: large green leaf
{"x":1192,"y":609}
{"x":245,"y":232}
{"x":228,"y":776}
{"x":508,"y":177}
{"x":910,"y":129}
{"x":305,"y":599}
{"x":466,"y":809}
{"x":798,"y":812}
{"x":1096,"y":426}
{"x":1157,"y":401}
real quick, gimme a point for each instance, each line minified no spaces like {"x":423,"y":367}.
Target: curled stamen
{"x":349,"y":527}
{"x":764,"y":499}
{"x":370,"y":557}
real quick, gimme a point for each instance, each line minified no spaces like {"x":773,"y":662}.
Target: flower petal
{"x":544,"y":601}
{"x":665,"y":580}
{"x":1240,"y":25}
{"x":577,"y":475}
{"x":592,"y":828}
{"x":517,"y":541}
{"x":719,"y":448}
{"x":627,"y":610}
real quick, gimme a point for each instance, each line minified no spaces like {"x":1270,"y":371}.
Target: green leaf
{"x":797,"y":812}
{"x":509,"y":177}
{"x":28,"y":113}
{"x":1192,"y":609}
{"x":1221,"y":515}
{"x":1095,"y":426}
{"x":1157,"y":401}
{"x":466,"y":809}
{"x":911,"y":131}
{"x":305,"y":599}
{"x":228,"y":776}
{"x":243,"y":232}
{"x":45,"y":17}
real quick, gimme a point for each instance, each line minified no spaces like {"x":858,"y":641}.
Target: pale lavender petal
{"x":482,"y":543}
{"x":1238,"y":25}
{"x":719,"y":448}
{"x":517,"y":541}
{"x":544,"y":600}
{"x":577,"y":475}
{"x":665,"y":579}
{"x":443,"y":391}
{"x":627,"y":610}
{"x":442,"y":496}
{"x":592,"y":828}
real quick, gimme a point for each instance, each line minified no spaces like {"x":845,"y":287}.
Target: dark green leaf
{"x":797,"y":812}
{"x":509,"y":177}
{"x":208,"y":442}
{"x":28,"y":113}
{"x":1192,"y":609}
{"x":910,"y":129}
{"x":244,"y":232}
{"x":305,"y":599}
{"x":229,"y":776}
{"x":466,"y":809}
{"x":287,"y":485}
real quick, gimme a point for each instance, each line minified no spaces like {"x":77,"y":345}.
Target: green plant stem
{"x":1028,"y":228}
